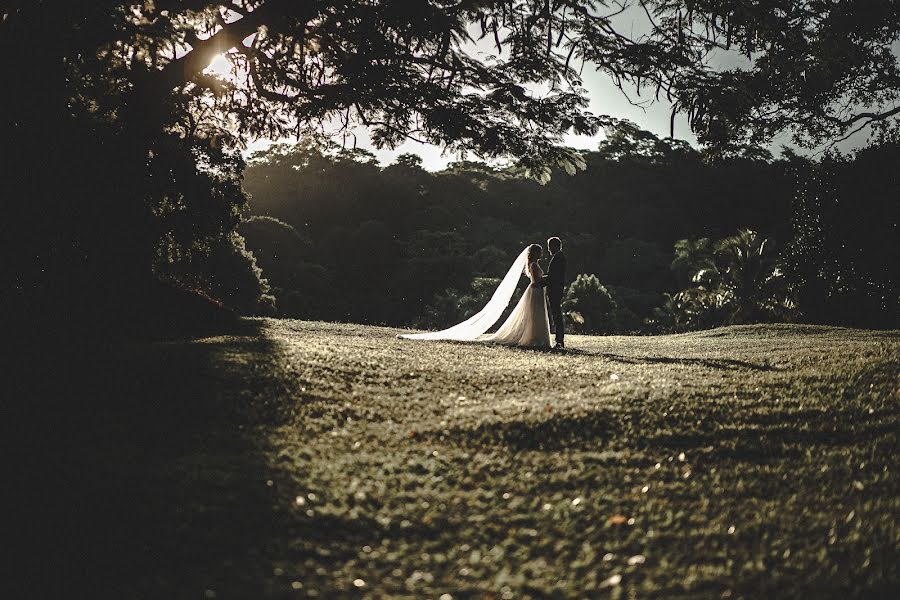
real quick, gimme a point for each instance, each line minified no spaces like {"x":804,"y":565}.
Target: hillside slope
{"x":305,"y":459}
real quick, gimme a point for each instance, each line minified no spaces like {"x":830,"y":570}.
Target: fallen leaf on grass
{"x":612,"y":581}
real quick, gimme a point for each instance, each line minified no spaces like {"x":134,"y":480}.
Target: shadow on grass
{"x":778,"y":435}
{"x":144,"y":469}
{"x":557,"y":432}
{"x":729,"y":364}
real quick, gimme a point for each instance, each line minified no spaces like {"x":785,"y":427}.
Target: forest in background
{"x":658,"y":236}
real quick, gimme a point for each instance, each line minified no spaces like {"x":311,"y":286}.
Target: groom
{"x":555,"y":282}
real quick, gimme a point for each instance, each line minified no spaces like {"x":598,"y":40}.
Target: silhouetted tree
{"x":124,"y":151}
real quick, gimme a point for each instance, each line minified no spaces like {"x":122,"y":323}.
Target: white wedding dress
{"x":527,"y":325}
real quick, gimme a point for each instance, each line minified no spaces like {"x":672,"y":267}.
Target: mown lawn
{"x":314,"y":460}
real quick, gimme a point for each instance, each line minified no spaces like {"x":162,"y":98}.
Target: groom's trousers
{"x":557,"y":324}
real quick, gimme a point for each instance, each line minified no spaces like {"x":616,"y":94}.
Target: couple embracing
{"x":529,"y":323}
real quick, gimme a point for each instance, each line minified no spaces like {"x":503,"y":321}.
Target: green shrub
{"x":733,"y":280}
{"x":226,"y":271}
{"x":588,"y":306}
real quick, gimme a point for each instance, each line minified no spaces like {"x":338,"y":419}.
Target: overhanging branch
{"x":185,"y":68}
{"x":871,"y":116}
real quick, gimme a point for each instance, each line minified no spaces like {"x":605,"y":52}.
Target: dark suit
{"x":556,"y":288}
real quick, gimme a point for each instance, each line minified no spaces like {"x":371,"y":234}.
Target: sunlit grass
{"x":746,"y":461}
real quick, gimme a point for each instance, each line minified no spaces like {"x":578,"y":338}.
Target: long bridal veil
{"x":480,"y":322}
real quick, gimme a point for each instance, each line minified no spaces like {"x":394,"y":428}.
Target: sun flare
{"x":220,"y":66}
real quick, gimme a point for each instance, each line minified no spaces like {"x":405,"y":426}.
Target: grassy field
{"x":314,"y":460}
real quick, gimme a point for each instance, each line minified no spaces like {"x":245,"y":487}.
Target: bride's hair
{"x":534,"y":252}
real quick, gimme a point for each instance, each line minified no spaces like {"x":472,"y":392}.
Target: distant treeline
{"x":339,"y":237}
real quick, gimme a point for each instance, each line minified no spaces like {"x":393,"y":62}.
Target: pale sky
{"x":604,"y":97}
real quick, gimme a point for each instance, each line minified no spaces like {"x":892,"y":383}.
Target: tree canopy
{"x":496,"y":77}
{"x":818,"y":69}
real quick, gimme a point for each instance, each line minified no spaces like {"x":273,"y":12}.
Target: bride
{"x":527,"y":325}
